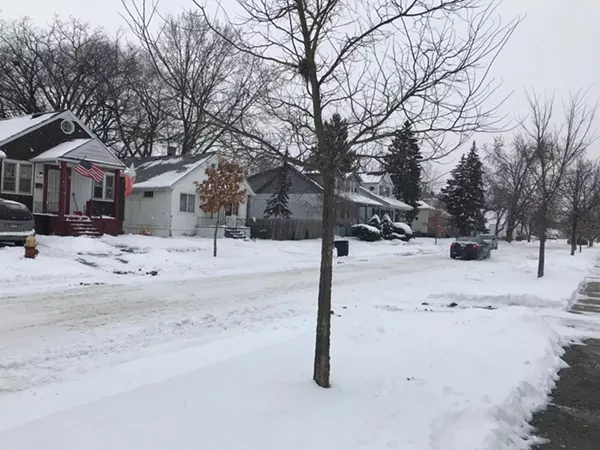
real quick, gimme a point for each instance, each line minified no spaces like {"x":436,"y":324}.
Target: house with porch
{"x":355,"y":203}
{"x":380,"y":186}
{"x":63,"y":173}
{"x":165,"y":203}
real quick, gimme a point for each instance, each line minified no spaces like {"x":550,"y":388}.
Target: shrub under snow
{"x":365,"y":232}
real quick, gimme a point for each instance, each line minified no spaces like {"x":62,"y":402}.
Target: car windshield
{"x":465,"y":239}
{"x":486,"y":236}
{"x":14,"y":211}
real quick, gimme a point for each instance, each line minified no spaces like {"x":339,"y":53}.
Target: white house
{"x":381,"y":187}
{"x":165,"y":200}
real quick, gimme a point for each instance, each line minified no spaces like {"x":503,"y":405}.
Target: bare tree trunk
{"x":215,"y":237}
{"x":322,"y":346}
{"x":542,"y":256}
{"x":573,"y":237}
{"x":510,"y":227}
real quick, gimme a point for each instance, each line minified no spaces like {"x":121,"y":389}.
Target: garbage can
{"x":342,"y":247}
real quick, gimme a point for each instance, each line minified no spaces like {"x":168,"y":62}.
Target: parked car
{"x":492,"y":238}
{"x":470,"y":248}
{"x":16,"y":222}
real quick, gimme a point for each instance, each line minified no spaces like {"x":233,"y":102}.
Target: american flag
{"x":87,"y":169}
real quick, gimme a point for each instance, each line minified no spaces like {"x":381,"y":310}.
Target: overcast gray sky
{"x":555,"y":49}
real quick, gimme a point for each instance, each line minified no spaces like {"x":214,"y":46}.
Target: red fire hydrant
{"x":30,"y":250}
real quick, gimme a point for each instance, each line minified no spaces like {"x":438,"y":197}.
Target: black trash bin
{"x":342,"y":247}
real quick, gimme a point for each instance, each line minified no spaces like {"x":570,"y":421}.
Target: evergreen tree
{"x":403,"y":163}
{"x":277,"y":206}
{"x":476,"y":189}
{"x":336,"y":135}
{"x":464,"y":194}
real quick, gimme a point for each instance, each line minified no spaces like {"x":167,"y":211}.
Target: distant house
{"x":165,"y":200}
{"x":355,"y":203}
{"x":381,"y":187}
{"x":47,"y":167}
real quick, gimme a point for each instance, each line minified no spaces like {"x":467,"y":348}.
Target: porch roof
{"x":393,"y":203}
{"x":92,"y":150}
{"x":359,"y":199}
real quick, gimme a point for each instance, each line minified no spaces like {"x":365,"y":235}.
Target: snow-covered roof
{"x":164,"y":171}
{"x":425,"y":206}
{"x":355,"y":197}
{"x":394,"y":203}
{"x":79,"y":149}
{"x":371,"y":178}
{"x":16,"y":125}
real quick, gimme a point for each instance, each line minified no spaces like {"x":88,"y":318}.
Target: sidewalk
{"x":572,"y":420}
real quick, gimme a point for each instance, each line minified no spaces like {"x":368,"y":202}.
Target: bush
{"x":404,"y":231}
{"x":387,"y":227}
{"x":365,"y":232}
{"x":375,"y":222}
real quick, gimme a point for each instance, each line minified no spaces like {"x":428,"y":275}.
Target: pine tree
{"x":336,"y":135}
{"x":403,"y":163}
{"x":277,"y":206}
{"x":476,"y":188}
{"x":464,"y":194}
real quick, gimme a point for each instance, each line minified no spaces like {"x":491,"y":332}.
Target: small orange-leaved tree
{"x":222,"y":189}
{"x":437,"y":220}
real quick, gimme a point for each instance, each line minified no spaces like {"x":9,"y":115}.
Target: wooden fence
{"x":285,"y":229}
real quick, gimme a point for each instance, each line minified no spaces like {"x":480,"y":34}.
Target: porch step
{"x":234,"y":233}
{"x":82,"y":226}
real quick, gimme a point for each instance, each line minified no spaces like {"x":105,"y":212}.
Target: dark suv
{"x":470,"y":248}
{"x":16,"y":222}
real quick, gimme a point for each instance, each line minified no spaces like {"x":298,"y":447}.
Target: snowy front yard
{"x":427,"y":353}
{"x":67,"y":262}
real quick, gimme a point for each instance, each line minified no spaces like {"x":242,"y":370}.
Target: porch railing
{"x":227,"y":221}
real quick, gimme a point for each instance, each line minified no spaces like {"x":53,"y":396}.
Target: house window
{"x":105,"y":189}
{"x":232,"y":211}
{"x":148,"y":194}
{"x":385,"y":191}
{"x":187,"y":203}
{"x":17,"y":177}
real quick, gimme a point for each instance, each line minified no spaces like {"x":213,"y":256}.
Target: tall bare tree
{"x":378,"y":63}
{"x":68,"y":65}
{"x":555,"y":151}
{"x":580,"y":194}
{"x":207,"y":76}
{"x":510,"y":181}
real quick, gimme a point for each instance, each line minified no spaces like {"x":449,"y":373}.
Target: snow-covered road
{"x":428,"y":353}
{"x":47,"y":336}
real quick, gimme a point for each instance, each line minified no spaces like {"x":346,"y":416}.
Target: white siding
{"x":153,"y":212}
{"x":420,"y":223}
{"x":38,"y":193}
{"x":94,"y":150}
{"x":302,"y":206}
